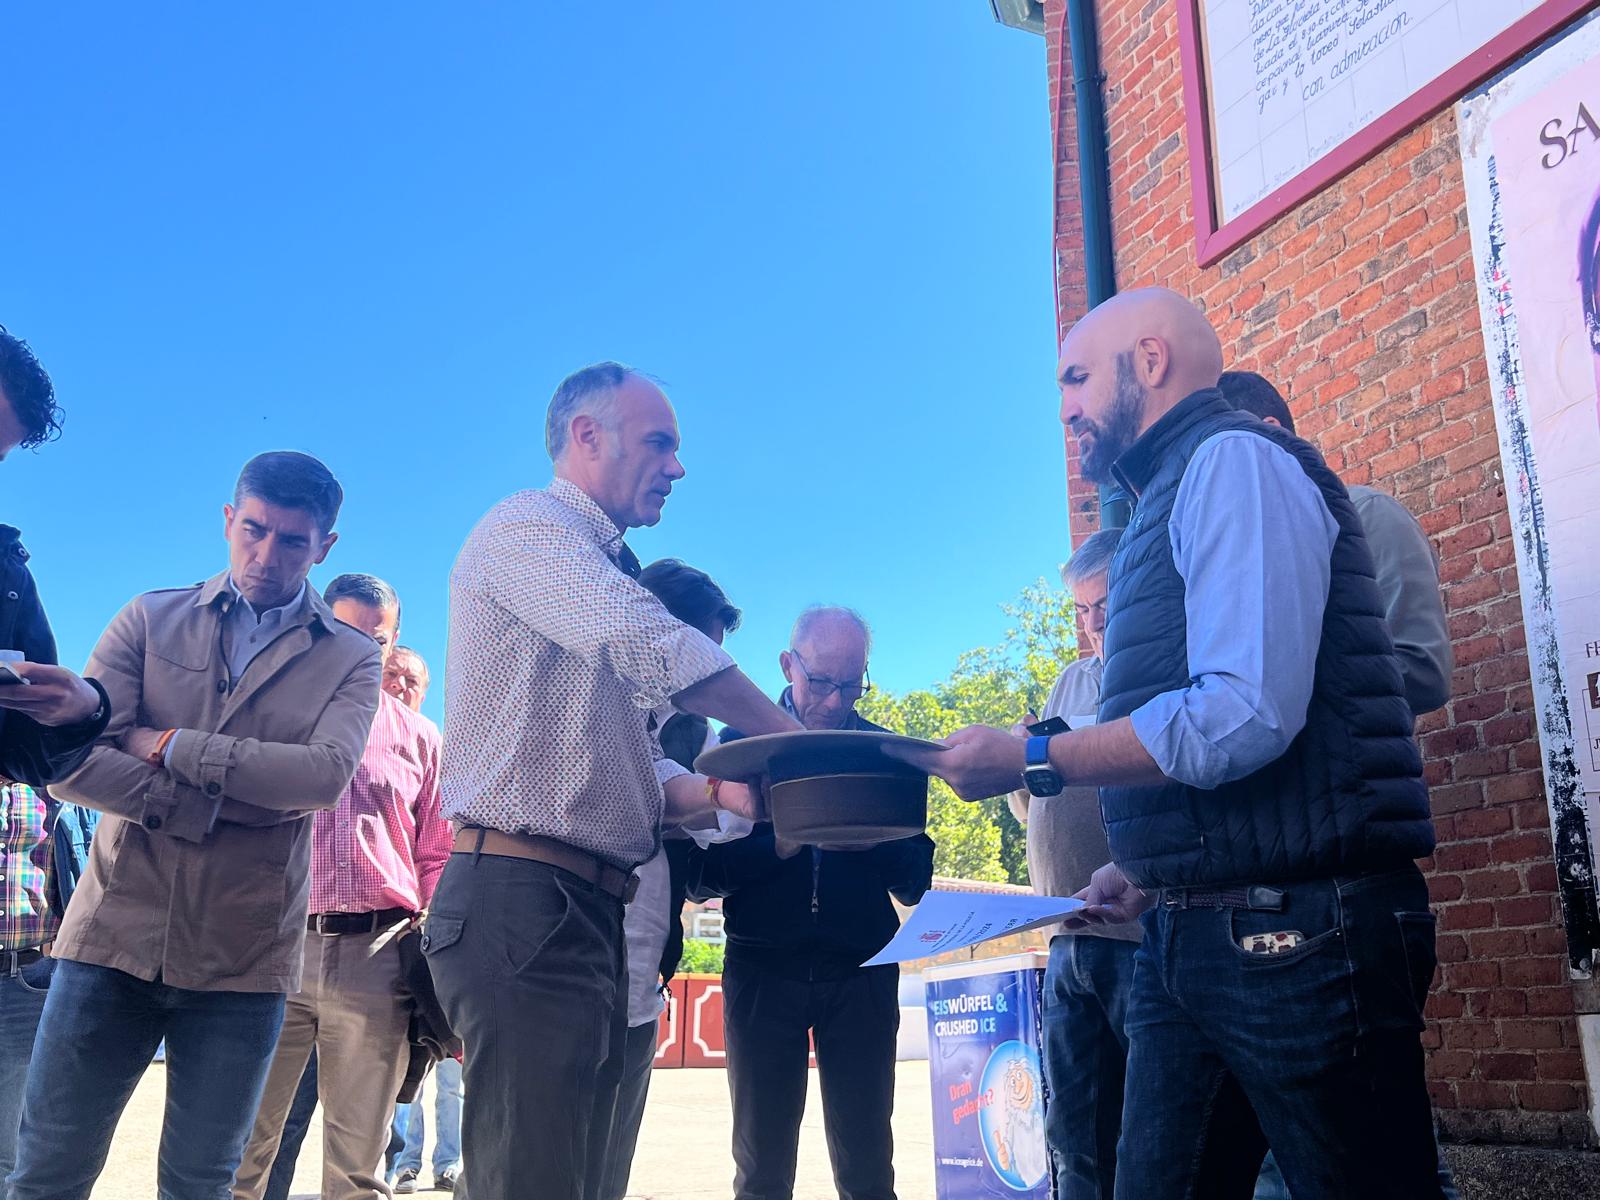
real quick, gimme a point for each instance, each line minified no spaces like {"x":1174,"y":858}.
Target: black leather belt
{"x":329,"y":924}
{"x":1253,"y":896}
{"x":14,"y":960}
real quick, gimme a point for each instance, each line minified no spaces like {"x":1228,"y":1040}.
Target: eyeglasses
{"x":823,"y":688}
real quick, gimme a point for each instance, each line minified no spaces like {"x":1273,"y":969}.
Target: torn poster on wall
{"x":1530,"y":146}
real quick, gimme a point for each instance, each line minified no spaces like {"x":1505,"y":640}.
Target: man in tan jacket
{"x":240,"y":706}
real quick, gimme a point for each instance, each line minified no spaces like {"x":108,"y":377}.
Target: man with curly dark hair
{"x":49,"y":717}
{"x":47,"y":726}
{"x":30,"y":416}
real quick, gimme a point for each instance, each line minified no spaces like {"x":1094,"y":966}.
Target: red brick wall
{"x":1360,"y":305}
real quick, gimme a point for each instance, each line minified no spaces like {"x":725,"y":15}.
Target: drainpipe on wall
{"x":1094,"y":190}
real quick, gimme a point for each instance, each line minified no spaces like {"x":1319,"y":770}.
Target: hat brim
{"x":829,"y":752}
{"x":831,"y":787}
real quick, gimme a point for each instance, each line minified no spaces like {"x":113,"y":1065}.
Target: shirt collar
{"x":603,"y":527}
{"x":222,"y":587}
{"x":278,"y":614}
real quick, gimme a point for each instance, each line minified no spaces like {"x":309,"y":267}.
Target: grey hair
{"x":819,"y":614}
{"x":363,"y":589}
{"x":591,"y":391}
{"x":1093,"y":558}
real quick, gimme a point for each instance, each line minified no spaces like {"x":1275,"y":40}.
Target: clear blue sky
{"x":381,"y":233}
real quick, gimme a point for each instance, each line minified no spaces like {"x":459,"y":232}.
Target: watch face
{"x":1042,"y":780}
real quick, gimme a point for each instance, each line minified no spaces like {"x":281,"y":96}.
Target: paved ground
{"x":683,"y":1148}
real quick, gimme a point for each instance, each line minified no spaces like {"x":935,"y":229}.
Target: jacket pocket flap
{"x":441,"y":931}
{"x":192,"y":657}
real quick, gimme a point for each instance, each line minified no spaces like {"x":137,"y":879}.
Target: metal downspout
{"x":1094,"y":191}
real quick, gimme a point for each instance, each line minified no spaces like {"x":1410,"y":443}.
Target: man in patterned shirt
{"x":556,"y":657}
{"x":27,"y":923}
{"x":374,"y":862}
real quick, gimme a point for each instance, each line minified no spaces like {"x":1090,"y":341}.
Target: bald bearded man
{"x":1261,"y":791}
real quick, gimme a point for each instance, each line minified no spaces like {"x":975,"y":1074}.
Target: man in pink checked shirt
{"x":374,"y":862}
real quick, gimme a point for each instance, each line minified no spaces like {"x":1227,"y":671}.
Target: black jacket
{"x":818,"y":915}
{"x":29,"y":752}
{"x":429,"y":1035}
{"x":1348,"y":794}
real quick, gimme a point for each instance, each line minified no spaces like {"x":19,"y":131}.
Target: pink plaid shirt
{"x":386,"y":843}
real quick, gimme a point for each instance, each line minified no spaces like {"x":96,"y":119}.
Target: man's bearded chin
{"x":1093,"y":462}
{"x":1101,"y":445}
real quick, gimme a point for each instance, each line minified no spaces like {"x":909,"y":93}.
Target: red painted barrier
{"x":669,"y":1038}
{"x":691,"y":1028}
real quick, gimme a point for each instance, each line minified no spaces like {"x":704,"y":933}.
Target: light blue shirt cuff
{"x":1169,"y":735}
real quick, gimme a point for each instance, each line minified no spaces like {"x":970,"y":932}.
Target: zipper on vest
{"x":816,"y":875}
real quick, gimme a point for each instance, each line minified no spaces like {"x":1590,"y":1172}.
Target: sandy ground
{"x":683,"y":1147}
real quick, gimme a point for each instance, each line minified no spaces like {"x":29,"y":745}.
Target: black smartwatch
{"x":1039,"y":775}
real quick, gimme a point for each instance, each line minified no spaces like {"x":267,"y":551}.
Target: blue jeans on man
{"x":411,"y":1124}
{"x":1086,"y":988}
{"x":1313,"y":1048}
{"x":103,"y":1027}
{"x":22,"y":995}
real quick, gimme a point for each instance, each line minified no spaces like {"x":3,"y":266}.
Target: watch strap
{"x":1038,"y":751}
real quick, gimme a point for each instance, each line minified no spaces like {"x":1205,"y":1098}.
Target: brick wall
{"x":1360,"y":305}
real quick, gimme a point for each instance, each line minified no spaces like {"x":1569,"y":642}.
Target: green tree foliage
{"x":701,"y":957}
{"x":993,"y":685}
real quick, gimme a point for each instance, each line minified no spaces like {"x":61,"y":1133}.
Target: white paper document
{"x":946,"y":921}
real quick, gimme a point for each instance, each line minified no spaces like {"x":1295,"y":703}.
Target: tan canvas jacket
{"x":201,"y":872}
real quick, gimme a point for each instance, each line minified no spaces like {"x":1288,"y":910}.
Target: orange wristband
{"x":714,"y":786}
{"x":158,"y":756}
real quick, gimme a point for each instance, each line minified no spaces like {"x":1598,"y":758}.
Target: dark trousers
{"x":637,"y":1056}
{"x":1086,"y":990}
{"x":103,"y":1027}
{"x":295,"y":1127}
{"x":1313,"y":1050}
{"x":528,"y":963}
{"x":854,"y":1021}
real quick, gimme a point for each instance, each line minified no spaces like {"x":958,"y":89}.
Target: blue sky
{"x":383,"y":233}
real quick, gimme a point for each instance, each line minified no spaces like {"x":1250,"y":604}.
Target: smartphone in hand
{"x":8,"y":674}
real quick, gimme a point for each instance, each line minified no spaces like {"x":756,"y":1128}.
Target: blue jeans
{"x":1086,"y":988}
{"x":411,"y":1122}
{"x":1271,"y":1186}
{"x":1313,"y":1050}
{"x":21,"y":1004}
{"x":295,"y":1126}
{"x":102,"y":1027}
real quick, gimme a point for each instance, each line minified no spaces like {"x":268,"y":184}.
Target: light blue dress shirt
{"x":246,"y":633}
{"x":1253,"y":541}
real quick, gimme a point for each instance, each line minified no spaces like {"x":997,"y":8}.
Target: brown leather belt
{"x":474,"y":839}
{"x":1251,"y":896}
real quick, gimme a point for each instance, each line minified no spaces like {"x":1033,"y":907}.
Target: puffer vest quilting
{"x":1347,"y":796}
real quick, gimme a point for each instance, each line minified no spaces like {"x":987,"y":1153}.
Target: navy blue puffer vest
{"x":1347,"y":796}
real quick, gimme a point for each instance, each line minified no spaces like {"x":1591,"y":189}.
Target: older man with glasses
{"x":800,"y":920}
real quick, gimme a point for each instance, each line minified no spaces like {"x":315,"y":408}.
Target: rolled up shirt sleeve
{"x":563,"y":585}
{"x":1253,"y":541}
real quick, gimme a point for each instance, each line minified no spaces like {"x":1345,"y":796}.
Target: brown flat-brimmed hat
{"x":833,"y":787}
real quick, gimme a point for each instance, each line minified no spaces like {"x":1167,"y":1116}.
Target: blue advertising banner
{"x":988,"y":1081}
